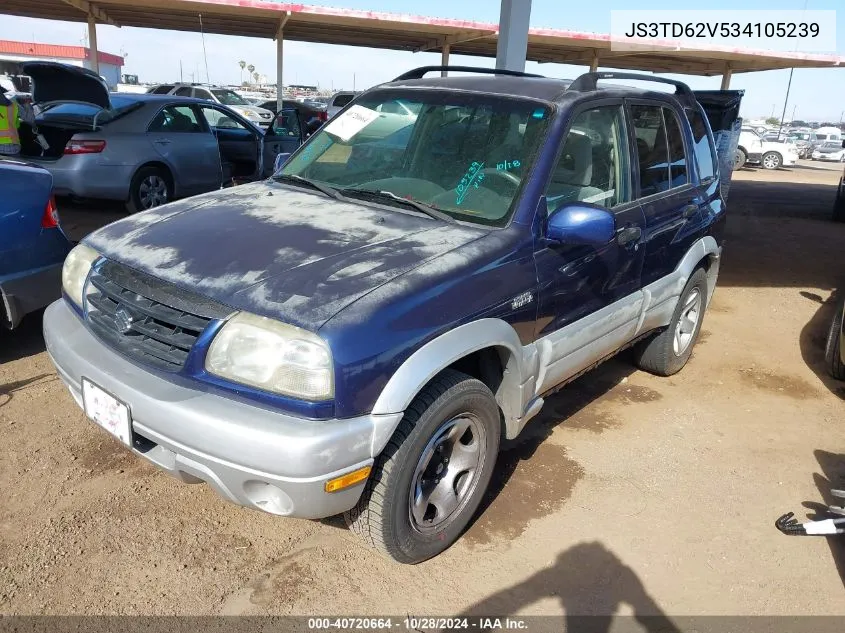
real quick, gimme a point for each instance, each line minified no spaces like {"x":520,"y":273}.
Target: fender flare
{"x":436,"y":355}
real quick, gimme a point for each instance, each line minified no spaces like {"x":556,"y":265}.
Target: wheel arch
{"x":159,"y":164}
{"x":471,"y":348}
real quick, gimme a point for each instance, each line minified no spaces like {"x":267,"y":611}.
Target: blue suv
{"x":359,"y":333}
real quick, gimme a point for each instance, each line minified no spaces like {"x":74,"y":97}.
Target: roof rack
{"x":419,"y":73}
{"x":588,"y":81}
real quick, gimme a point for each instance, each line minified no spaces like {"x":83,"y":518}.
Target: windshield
{"x":464,"y":154}
{"x":229,"y":97}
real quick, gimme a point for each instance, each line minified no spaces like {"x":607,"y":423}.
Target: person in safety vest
{"x":11,"y":115}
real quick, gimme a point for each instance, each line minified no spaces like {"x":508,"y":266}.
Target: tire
{"x":771,"y":160}
{"x":661,"y":354}
{"x":839,"y":205}
{"x":832,"y":350}
{"x":150,"y":187}
{"x":386,"y":516}
{"x":740,"y":158}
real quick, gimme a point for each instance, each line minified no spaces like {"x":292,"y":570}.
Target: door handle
{"x":628,"y":234}
{"x":689,"y":211}
{"x":163,"y":141}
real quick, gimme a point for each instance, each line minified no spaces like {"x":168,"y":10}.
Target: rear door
{"x":669,"y":200}
{"x":187,"y":145}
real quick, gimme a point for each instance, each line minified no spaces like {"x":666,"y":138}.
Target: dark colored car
{"x":839,"y":202}
{"x":144,"y":149}
{"x":32,"y":244}
{"x":358,"y":336}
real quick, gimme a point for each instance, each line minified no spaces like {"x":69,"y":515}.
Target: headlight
{"x":75,"y":271}
{"x":273,"y":356}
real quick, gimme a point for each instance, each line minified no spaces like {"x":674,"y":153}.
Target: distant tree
{"x":255,"y":76}
{"x":242,"y":64}
{"x":773,"y":120}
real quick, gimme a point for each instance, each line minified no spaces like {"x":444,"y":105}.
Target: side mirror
{"x":581,"y":225}
{"x":280,"y":160}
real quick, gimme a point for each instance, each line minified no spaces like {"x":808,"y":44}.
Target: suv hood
{"x":52,"y":82}
{"x":276,"y":251}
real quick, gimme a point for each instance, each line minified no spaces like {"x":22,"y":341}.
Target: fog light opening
{"x":268,"y":498}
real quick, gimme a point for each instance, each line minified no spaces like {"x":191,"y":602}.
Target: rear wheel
{"x":772,"y":160}
{"x":833,"y":349}
{"x":150,"y":187}
{"x":666,"y":353}
{"x":739,"y":158}
{"x":429,"y":480}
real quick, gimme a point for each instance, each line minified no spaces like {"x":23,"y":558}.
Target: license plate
{"x":107,"y":411}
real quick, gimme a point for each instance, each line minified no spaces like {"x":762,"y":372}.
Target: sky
{"x":155,"y":55}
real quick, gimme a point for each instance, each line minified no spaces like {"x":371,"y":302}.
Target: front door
{"x":589,"y":297}
{"x":239,"y":144}
{"x":188,"y":147}
{"x":672,"y":205}
{"x":284,"y":136}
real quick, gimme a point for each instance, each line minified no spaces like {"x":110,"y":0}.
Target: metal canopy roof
{"x":327,"y":25}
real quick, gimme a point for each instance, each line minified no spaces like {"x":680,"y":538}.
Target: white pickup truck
{"x":752,"y":149}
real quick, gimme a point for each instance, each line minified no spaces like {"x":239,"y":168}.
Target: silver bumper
{"x":250,"y":455}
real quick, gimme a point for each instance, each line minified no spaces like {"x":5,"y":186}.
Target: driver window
{"x":220,"y":120}
{"x":589,"y":168}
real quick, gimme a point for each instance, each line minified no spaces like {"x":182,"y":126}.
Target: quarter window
{"x":184,"y":91}
{"x":702,"y":148}
{"x":590,"y":166}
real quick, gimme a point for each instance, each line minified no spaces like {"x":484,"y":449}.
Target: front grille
{"x":145,"y":318}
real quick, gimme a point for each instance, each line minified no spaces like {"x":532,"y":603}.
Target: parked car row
{"x":753,"y":149}
{"x":145,"y":149}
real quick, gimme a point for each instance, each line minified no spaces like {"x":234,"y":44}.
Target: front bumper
{"x":29,"y":291}
{"x":250,"y":455}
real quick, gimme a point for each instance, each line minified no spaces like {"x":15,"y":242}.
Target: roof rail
{"x":588,"y":81}
{"x":419,"y":73}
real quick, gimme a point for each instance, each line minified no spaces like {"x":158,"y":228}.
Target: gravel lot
{"x":628,"y":493}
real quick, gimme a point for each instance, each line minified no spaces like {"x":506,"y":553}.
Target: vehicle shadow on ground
{"x":780,"y":234}
{"x":25,"y":340}
{"x":813,"y":339}
{"x":590,"y":582}
{"x":832,"y":476}
{"x":557,"y":409}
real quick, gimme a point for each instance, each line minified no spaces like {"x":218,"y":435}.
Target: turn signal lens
{"x":50,"y":219}
{"x":349,"y":479}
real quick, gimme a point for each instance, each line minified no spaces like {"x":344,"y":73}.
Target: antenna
{"x":205,"y":57}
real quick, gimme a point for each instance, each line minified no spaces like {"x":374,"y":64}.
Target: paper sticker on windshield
{"x":345,"y":126}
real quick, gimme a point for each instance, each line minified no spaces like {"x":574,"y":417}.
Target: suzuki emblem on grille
{"x":123,"y":320}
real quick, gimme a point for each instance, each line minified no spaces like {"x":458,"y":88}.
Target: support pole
{"x":92,"y":44}
{"x":444,"y":58}
{"x":594,"y":64}
{"x":726,"y":78}
{"x":280,"y":45}
{"x":512,"y":47}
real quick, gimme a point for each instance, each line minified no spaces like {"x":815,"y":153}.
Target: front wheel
{"x":430,"y":479}
{"x":666,"y":353}
{"x":772,"y":160}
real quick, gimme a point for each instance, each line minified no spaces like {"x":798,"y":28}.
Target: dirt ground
{"x":628,"y":492}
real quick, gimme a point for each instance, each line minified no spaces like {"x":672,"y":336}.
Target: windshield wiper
{"x":428,"y":210}
{"x":331,"y":192}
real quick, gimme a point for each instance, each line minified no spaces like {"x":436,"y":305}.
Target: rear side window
{"x":201,"y":93}
{"x":677,"y":158}
{"x":184,"y":91}
{"x":342,"y":100}
{"x":652,"y":151}
{"x":175,"y":119}
{"x":163,"y":90}
{"x":702,"y":147}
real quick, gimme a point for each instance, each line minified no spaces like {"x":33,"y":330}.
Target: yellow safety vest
{"x":9,"y":119}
